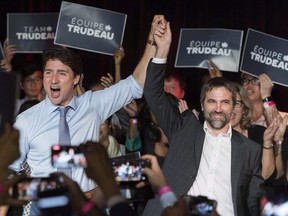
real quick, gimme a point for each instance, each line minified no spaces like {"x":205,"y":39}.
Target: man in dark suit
{"x":211,"y":160}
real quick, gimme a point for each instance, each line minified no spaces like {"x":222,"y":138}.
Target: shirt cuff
{"x":159,"y":60}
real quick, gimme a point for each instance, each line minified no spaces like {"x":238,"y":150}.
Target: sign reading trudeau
{"x":197,"y":46}
{"x":31,"y":32}
{"x":90,"y":28}
{"x":264,"y":53}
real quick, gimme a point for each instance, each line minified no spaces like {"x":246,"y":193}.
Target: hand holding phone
{"x":31,"y":188}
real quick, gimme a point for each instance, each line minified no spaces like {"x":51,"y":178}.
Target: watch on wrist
{"x":267,"y":99}
{"x":151,"y":42}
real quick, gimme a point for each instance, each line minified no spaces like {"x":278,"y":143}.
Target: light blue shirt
{"x":39,"y":126}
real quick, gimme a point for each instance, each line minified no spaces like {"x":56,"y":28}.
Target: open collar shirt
{"x":213,"y":179}
{"x":39,"y":126}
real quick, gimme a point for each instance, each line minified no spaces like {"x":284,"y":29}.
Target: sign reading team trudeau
{"x":197,"y":46}
{"x":265,"y":53}
{"x":89,"y":28}
{"x":31,"y":32}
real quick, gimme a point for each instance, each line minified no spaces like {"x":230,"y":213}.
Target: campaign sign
{"x":197,"y":46}
{"x":31,"y":32}
{"x":2,"y":56}
{"x":264,"y":53}
{"x":88,"y":28}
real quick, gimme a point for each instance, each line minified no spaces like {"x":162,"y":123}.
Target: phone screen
{"x":67,"y":157}
{"x":129,"y":170}
{"x":29,"y":188}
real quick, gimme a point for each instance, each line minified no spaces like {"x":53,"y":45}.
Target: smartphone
{"x":130,"y":170}
{"x":30,"y":188}
{"x":276,"y":205}
{"x":67,"y":157}
{"x":200,"y":205}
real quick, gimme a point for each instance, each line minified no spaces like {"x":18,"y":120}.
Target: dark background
{"x":268,"y":16}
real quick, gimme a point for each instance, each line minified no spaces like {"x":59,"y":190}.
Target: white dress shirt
{"x":213,"y":179}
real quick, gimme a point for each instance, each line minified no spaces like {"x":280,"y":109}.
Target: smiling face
{"x":59,"y":81}
{"x":218,"y":107}
{"x":253,"y":90}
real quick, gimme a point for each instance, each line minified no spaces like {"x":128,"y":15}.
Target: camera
{"x":67,"y":157}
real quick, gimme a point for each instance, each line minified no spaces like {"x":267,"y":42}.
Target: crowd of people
{"x":228,"y":157}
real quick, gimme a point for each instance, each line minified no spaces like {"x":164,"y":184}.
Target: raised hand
{"x":119,"y":55}
{"x":214,"y":70}
{"x":9,"y":50}
{"x":182,"y":105}
{"x":107,"y":81}
{"x":79,"y":89}
{"x":5,"y":186}
{"x":99,"y":168}
{"x":155,"y":174}
{"x":266,"y":85}
{"x":132,"y":109}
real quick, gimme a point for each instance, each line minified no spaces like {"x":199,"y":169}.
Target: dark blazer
{"x":186,"y":137}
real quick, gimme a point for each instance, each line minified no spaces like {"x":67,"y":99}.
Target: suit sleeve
{"x":255,"y":186}
{"x":159,"y":103}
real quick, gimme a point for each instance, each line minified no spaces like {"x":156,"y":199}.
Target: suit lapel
{"x":237,"y":160}
{"x":198,"y":148}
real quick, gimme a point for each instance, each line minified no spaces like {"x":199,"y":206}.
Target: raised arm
{"x":139,"y":73}
{"x":266,"y":86}
{"x":9,"y":51}
{"x":118,"y":58}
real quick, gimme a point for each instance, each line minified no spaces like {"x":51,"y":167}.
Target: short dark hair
{"x":178,"y":77}
{"x":29,"y":69}
{"x":218,"y":82}
{"x":66,"y":56}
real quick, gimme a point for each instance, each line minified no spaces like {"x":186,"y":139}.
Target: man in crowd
{"x":210,"y":160}
{"x":39,"y":126}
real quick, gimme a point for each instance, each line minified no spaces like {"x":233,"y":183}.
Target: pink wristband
{"x":87,"y":207}
{"x":269,"y":104}
{"x":164,"y":190}
{"x":2,"y":188}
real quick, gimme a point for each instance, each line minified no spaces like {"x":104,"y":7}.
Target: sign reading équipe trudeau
{"x":31,"y":32}
{"x":88,"y":28}
{"x":264,"y":53}
{"x":197,"y":46}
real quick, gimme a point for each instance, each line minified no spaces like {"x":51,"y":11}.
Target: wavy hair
{"x":245,"y":121}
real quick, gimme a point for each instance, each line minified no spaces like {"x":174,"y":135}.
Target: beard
{"x":217,"y":123}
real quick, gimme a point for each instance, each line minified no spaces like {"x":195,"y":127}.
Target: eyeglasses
{"x":36,"y":80}
{"x":238,"y":104}
{"x":254,"y":81}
